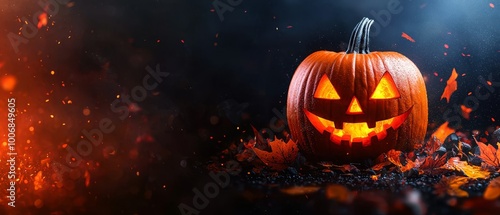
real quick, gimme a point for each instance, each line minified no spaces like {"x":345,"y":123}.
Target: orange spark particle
{"x":87,"y":178}
{"x":466,"y":111}
{"x":8,"y":82}
{"x":86,"y":111}
{"x":38,"y":182}
{"x":38,"y":203}
{"x":42,"y":20}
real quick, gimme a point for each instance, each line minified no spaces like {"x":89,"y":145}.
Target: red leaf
{"x":451,"y":86}
{"x":281,"y":156}
{"x":430,"y":163}
{"x":489,"y":154}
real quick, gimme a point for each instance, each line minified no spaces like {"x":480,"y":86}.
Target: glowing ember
{"x":8,"y":82}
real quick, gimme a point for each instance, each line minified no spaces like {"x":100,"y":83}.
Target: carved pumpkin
{"x":355,"y":105}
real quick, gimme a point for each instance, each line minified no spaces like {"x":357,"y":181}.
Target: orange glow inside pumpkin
{"x":386,"y":88}
{"x":354,"y":107}
{"x":356,"y":132}
{"x":326,"y":90}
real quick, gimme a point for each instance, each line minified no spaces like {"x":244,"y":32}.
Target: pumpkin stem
{"x":360,"y":37}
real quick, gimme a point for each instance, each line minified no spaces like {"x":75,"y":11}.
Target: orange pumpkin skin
{"x":354,"y":106}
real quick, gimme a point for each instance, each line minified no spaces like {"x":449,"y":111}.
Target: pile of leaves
{"x":451,"y":157}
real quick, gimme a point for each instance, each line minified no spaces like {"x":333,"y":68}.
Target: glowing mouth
{"x":356,"y":132}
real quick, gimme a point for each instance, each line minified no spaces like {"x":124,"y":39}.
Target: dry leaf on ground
{"x":281,"y":156}
{"x":451,"y":186}
{"x":493,"y":190}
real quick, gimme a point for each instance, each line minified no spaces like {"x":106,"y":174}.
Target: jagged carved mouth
{"x":356,"y":132}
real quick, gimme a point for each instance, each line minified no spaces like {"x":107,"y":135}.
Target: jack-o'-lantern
{"x":355,"y":105}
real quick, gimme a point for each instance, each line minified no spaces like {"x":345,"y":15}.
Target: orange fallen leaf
{"x":379,"y":166}
{"x":451,"y":186}
{"x":258,"y":137}
{"x":432,"y":162}
{"x":466,"y":111}
{"x":281,"y":156}
{"x":442,"y":132}
{"x":338,"y":193}
{"x":345,"y":168}
{"x":470,"y":171}
{"x":396,"y":158}
{"x":408,"y":37}
{"x":489,"y":154}
{"x":451,"y":86}
{"x":493,"y":190}
{"x":300,"y":190}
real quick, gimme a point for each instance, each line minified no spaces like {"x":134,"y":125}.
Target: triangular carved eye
{"x":326,"y":90}
{"x":386,"y":88}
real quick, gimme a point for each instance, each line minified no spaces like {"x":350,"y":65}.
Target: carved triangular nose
{"x":354,"y":108}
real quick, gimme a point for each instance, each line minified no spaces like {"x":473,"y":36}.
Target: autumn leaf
{"x":338,"y":193}
{"x":469,"y":170}
{"x":346,"y":168}
{"x":281,"y":156}
{"x":408,"y":37}
{"x":451,"y":86}
{"x":489,"y":154}
{"x":379,"y":166}
{"x":300,"y":190}
{"x":451,"y":186}
{"x":395,"y":157}
{"x":442,"y":132}
{"x":258,"y":137}
{"x":493,"y":190}
{"x":432,"y":162}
